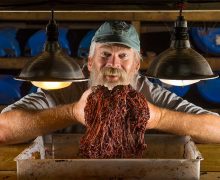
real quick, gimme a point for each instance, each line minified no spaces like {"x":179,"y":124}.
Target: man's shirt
{"x":154,"y":93}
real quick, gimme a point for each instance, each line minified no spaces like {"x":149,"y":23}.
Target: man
{"x":114,"y":59}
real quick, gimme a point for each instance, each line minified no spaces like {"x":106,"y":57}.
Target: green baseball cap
{"x":118,"y":32}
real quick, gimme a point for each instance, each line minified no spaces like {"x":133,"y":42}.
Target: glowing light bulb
{"x":179,"y":82}
{"x":50,"y":85}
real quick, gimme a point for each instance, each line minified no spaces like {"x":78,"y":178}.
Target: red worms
{"x":116,"y":122}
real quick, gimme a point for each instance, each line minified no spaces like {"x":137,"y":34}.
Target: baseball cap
{"x":118,"y":32}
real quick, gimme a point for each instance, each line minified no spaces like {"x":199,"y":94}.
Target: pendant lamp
{"x":180,"y":65}
{"x":53,"y":68}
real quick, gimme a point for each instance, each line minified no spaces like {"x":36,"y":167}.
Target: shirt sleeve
{"x":163,"y":98}
{"x":44,"y":99}
{"x":34,"y":101}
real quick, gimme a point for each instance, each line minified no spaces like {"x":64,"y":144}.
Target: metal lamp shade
{"x":52,"y":65}
{"x":180,"y":64}
{"x":52,"y":69}
{"x":180,"y":61}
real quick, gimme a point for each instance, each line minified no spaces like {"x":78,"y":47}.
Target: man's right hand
{"x":78,"y":108}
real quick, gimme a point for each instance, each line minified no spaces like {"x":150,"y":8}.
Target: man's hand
{"x":155,"y":116}
{"x":78,"y":108}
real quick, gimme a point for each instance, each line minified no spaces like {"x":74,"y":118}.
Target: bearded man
{"x":114,"y":59}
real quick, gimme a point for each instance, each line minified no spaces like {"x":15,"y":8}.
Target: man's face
{"x":113,"y":65}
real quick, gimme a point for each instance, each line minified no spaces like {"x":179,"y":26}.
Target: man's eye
{"x":123,"y":56}
{"x":105,"y":54}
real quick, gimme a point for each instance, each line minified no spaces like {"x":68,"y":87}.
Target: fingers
{"x":85,"y":95}
{"x":80,"y":105}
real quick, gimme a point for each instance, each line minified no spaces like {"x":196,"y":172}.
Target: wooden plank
{"x":9,"y":175}
{"x":18,"y":63}
{"x":7,"y":155}
{"x":211,"y":154}
{"x":190,"y":15}
{"x":214,"y":62}
{"x":102,"y":15}
{"x":137,"y":25}
{"x":66,"y":15}
{"x":13,"y":63}
{"x":209,"y":175}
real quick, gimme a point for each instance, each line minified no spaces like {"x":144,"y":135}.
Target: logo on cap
{"x":119,"y":26}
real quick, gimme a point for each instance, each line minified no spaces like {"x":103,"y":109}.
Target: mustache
{"x":97,"y":77}
{"x":109,"y":71}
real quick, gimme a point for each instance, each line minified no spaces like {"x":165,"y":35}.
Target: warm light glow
{"x":50,"y":85}
{"x":179,"y":82}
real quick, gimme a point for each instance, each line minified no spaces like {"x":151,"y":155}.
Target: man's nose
{"x":114,"y":62}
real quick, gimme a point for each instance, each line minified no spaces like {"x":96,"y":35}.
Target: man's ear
{"x":90,"y":64}
{"x":137,"y":65}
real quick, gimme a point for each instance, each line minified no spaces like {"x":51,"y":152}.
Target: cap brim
{"x":118,"y":40}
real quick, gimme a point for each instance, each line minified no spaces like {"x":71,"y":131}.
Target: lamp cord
{"x":180,"y":5}
{"x":52,"y":14}
{"x":52,"y":29}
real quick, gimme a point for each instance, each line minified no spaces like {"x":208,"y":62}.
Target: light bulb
{"x":179,"y":82}
{"x":50,"y":85}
